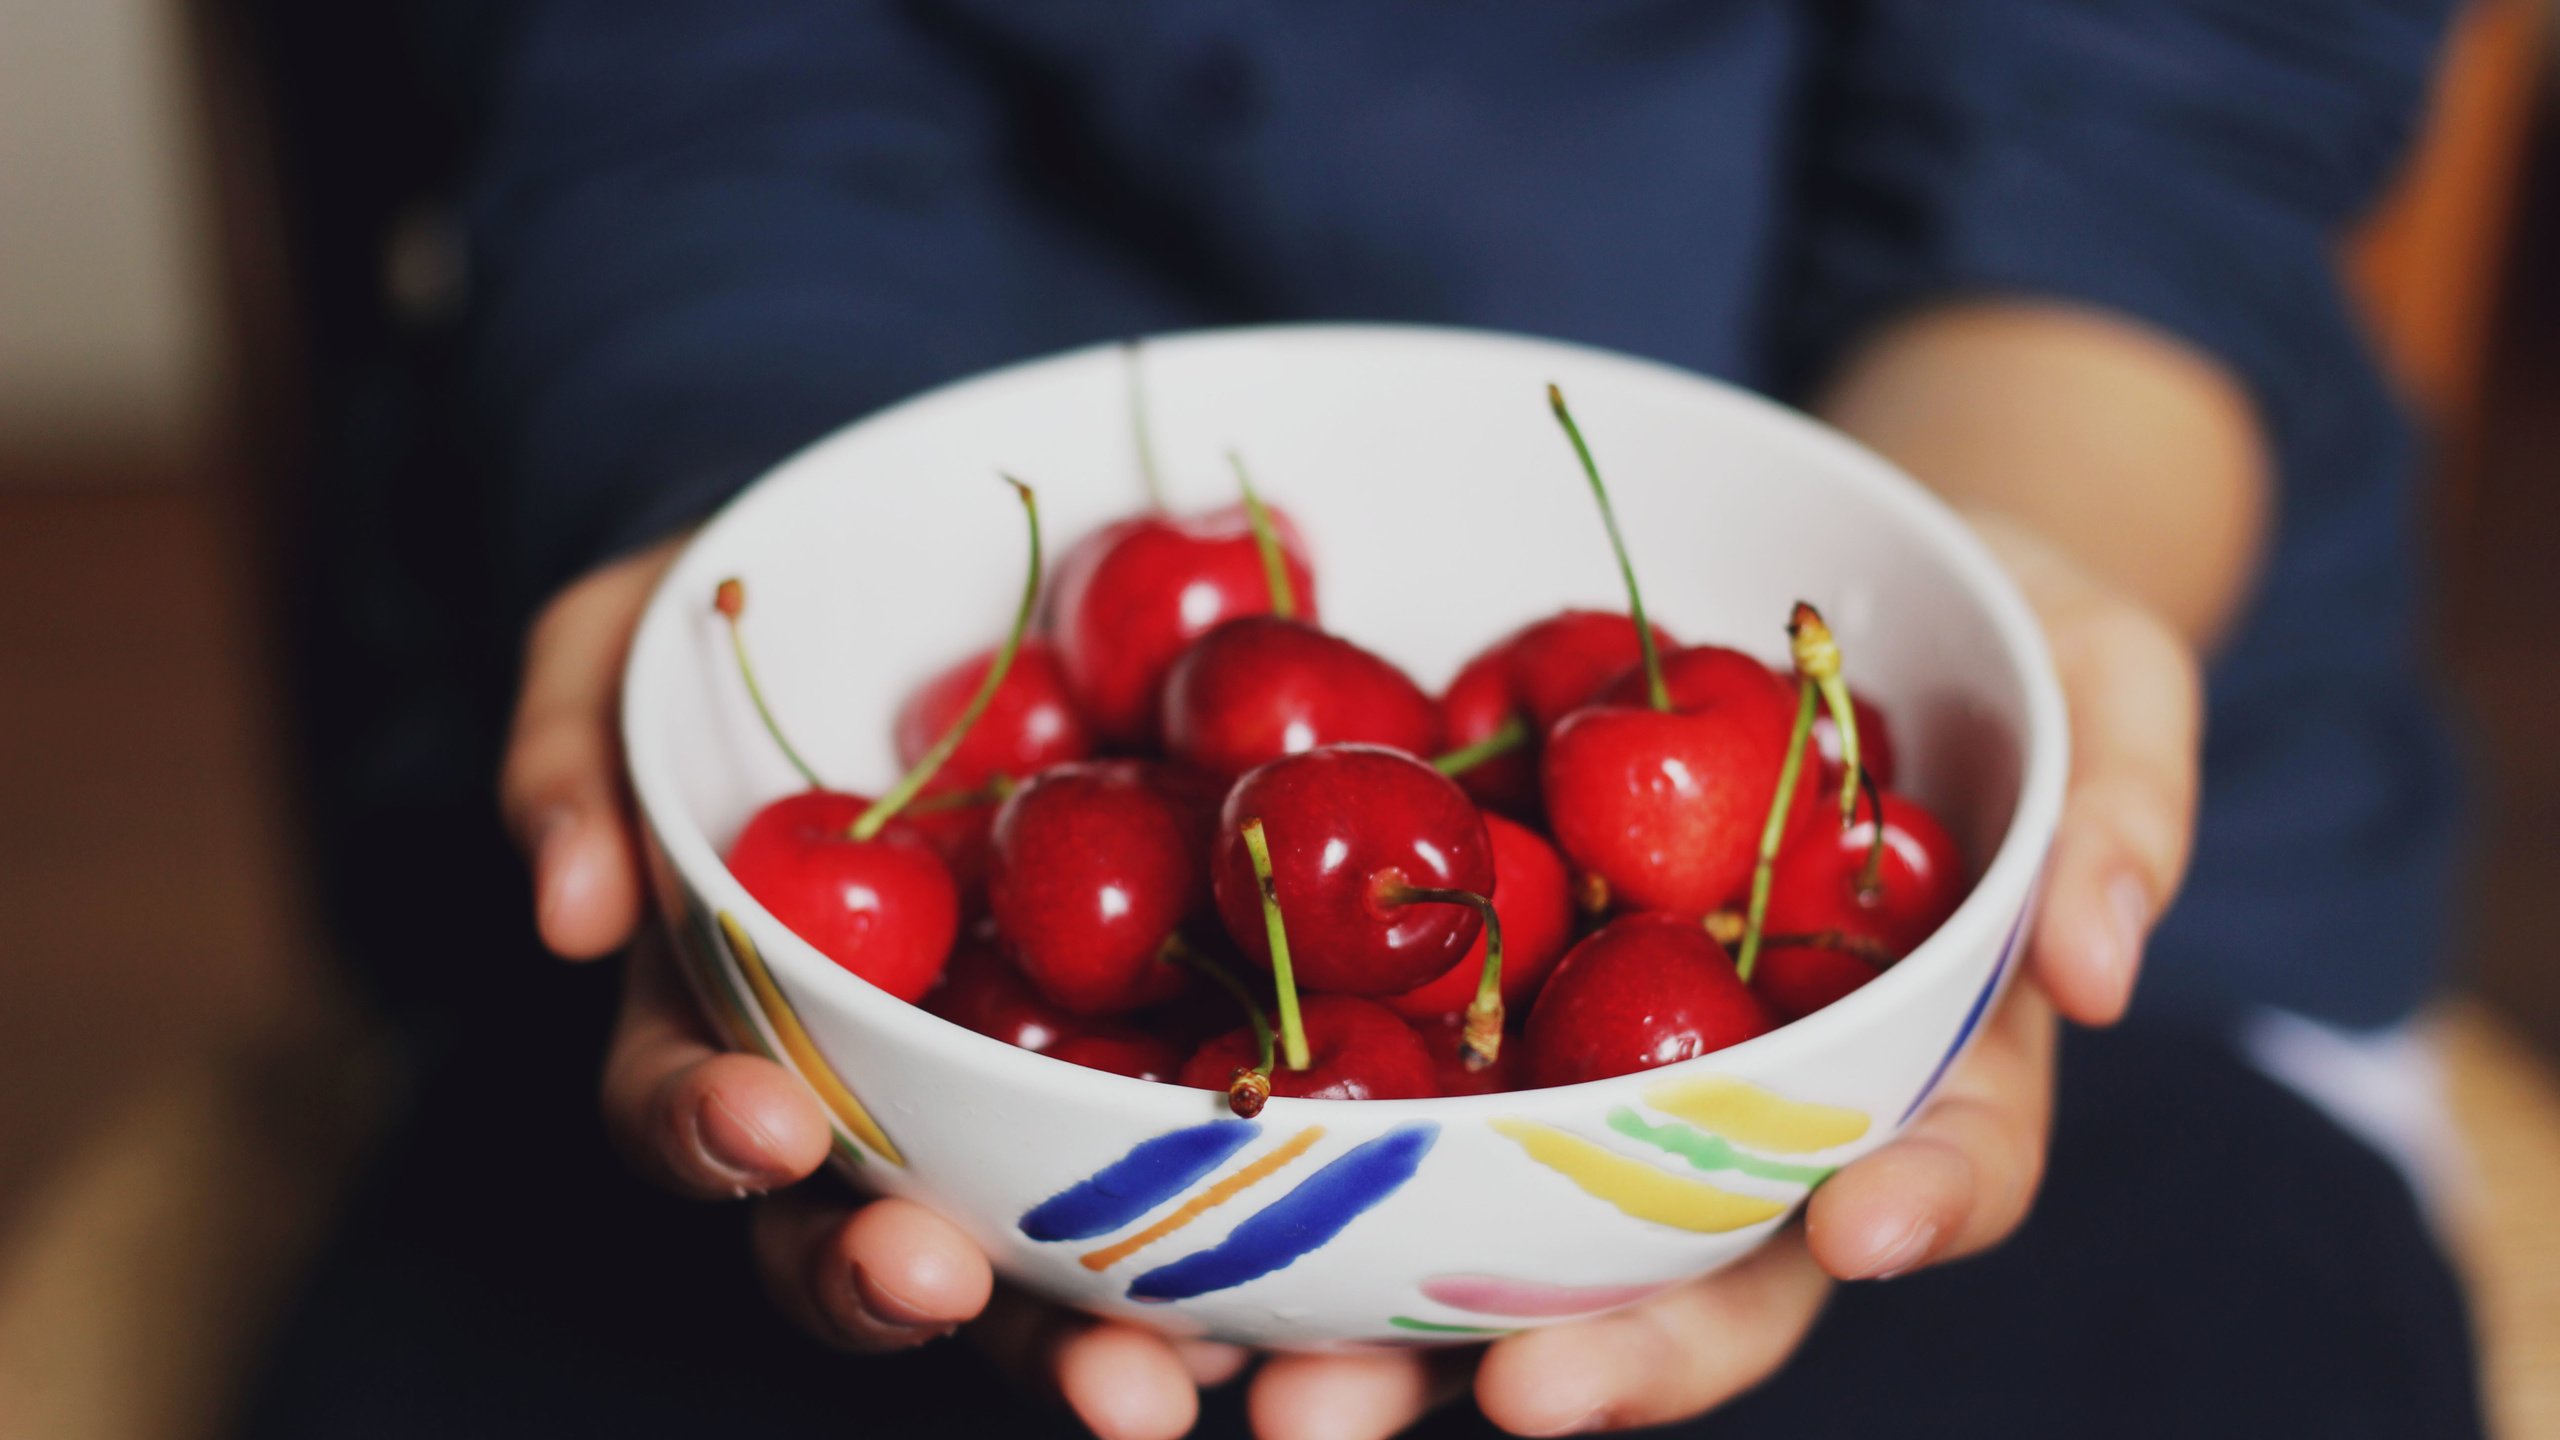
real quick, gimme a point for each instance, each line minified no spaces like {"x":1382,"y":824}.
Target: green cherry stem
{"x":1293,"y":1032}
{"x":730,"y":599}
{"x":875,"y":818}
{"x":1266,"y":538}
{"x":1480,"y":1040}
{"x":1513,"y":734}
{"x":995,"y":790}
{"x":1871,"y":874}
{"x":1817,"y":658}
{"x":1776,"y":829}
{"x":1249,"y":1088}
{"x":1143,"y":434}
{"x":1655,"y":691}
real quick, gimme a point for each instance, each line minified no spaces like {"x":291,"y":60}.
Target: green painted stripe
{"x":1434,"y":1327}
{"x":1710,"y":1152}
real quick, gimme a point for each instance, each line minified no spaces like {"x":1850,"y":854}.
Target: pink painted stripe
{"x":1529,"y":1299}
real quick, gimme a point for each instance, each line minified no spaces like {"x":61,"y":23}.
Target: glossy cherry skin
{"x":1029,"y":725}
{"x":1441,"y":1035}
{"x":1348,"y":825}
{"x":1140,"y":1057}
{"x":1667,"y":806}
{"x":885,"y":908}
{"x":982,"y":991}
{"x":1356,"y":1050}
{"x":1538,"y":673}
{"x":1641,"y":991}
{"x":1815,"y":885}
{"x":1131,"y":597}
{"x":1261,"y":687}
{"x":1094,"y":866}
{"x":1793,"y":981}
{"x":1537,"y":923}
{"x":1875,"y":743}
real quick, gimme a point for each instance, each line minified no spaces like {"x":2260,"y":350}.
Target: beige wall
{"x":105,"y":247}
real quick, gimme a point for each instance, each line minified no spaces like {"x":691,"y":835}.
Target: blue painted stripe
{"x":1972,"y":1017}
{"x":1153,"y":1172}
{"x":1297,"y":1223}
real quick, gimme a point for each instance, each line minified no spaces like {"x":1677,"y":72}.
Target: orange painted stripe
{"x":849,"y":1110}
{"x":1218,"y":1193}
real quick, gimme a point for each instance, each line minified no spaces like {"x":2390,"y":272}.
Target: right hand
{"x":704,"y":1122}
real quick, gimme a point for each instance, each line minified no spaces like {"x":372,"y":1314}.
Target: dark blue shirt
{"x":704,"y":233}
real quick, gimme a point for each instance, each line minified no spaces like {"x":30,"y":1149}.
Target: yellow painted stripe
{"x":1218,"y":1193}
{"x":813,"y":1067}
{"x":1635,"y":1187}
{"x":1749,"y":1115}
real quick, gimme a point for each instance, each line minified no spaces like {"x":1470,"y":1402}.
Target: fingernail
{"x":734,"y":1144}
{"x":887,"y":1306}
{"x":1906,"y":1254}
{"x":1582,"y":1424}
{"x":555,"y":854}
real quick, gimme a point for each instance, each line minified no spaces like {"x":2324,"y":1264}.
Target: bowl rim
{"x":2014,"y":869}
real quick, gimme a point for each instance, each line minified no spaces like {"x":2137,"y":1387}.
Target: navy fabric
{"x":702,"y":234}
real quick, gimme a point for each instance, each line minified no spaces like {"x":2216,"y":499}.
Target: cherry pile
{"x":1180,"y":831}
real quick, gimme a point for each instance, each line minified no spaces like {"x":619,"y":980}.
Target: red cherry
{"x":1817,"y":884}
{"x":1094,"y":867}
{"x":1534,"y":675}
{"x":1357,"y":1050}
{"x":1531,"y":898}
{"x":1875,"y":743}
{"x":963,"y":835}
{"x":1445,"y":1036}
{"x":1261,"y":687}
{"x":1667,"y":807}
{"x":1027,"y":727}
{"x":883,"y":908}
{"x":982,"y":991}
{"x":1793,"y":981}
{"x":1133,"y":596}
{"x":1140,"y":1057}
{"x":1642,"y":991}
{"x":1351,"y":827}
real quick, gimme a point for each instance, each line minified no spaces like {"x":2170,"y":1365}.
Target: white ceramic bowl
{"x":1444,"y":509}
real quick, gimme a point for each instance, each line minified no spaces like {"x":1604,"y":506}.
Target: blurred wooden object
{"x":2427,"y":267}
{"x":2506,"y":1100}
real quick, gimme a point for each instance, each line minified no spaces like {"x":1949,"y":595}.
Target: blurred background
{"x":182,"y":1085}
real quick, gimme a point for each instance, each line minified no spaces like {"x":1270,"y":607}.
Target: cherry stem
{"x":1857,"y":947}
{"x":1871,"y":874}
{"x":1293,"y":1032}
{"x":1657,"y":693}
{"x":994,"y":790}
{"x":1266,"y":538}
{"x":1480,"y":1040}
{"x":730,"y":599}
{"x":876,"y":817}
{"x":1139,"y":431}
{"x":1513,"y":734}
{"x":1816,"y":653}
{"x":1251,"y":1085}
{"x":1775,"y":830}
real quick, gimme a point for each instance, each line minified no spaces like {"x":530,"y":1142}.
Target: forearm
{"x":2139,"y":456}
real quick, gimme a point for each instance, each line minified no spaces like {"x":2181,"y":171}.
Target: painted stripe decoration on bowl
{"x":1218,"y":1193}
{"x":1154,"y":1171}
{"x":1972,"y":1017}
{"x":1300,"y":1222}
{"x":839,"y":1098}
{"x":734,"y":1014}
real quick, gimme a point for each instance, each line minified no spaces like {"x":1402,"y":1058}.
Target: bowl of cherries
{"x":1346,"y":835}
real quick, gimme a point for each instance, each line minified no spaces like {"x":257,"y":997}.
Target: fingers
{"x":1665,"y":1359}
{"x":2137,"y":706}
{"x":561,"y":785}
{"x":889,"y":1275}
{"x":1123,"y":1383}
{"x":696,"y":1120}
{"x":1353,"y":1397}
{"x":1963,"y":1176}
